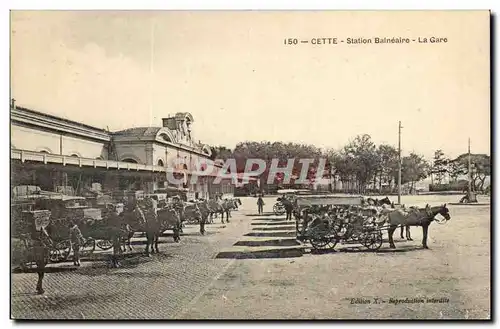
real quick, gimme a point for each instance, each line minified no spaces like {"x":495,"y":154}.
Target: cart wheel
{"x":89,"y":247}
{"x":373,"y":240}
{"x":54,"y":256}
{"x":278,"y":210}
{"x":104,"y":244}
{"x":24,"y":267}
{"x":323,"y":243}
{"x":333,"y":242}
{"x":60,"y":252}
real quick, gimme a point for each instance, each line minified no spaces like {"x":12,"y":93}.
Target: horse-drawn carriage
{"x":331,"y":219}
{"x":327,"y":220}
{"x":64,"y":211}
{"x":23,"y":222}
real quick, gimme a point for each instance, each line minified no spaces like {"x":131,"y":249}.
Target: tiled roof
{"x":138,"y":132}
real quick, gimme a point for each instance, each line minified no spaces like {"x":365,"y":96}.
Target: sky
{"x":234,"y":74}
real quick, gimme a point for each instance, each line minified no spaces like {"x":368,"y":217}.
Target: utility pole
{"x":399,"y":163}
{"x":469,"y":169}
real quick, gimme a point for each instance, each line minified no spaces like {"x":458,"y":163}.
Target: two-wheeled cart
{"x":326,"y":220}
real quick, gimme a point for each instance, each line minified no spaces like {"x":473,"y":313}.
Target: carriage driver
{"x":77,"y":240}
{"x":115,"y":222}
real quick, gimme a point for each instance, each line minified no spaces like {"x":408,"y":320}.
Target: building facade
{"x":71,"y":157}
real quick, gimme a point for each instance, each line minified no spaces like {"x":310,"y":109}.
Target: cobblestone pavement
{"x":276,"y":279}
{"x":253,"y":268}
{"x":144,"y":288}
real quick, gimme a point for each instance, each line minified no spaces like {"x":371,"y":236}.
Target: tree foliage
{"x":480,"y":166}
{"x":360,"y":165}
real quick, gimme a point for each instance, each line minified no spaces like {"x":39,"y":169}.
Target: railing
{"x":82,"y":162}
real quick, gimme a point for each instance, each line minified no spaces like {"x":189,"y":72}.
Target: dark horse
{"x":417,"y":217}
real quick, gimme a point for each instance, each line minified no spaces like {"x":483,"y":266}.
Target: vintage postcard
{"x":250,"y":165}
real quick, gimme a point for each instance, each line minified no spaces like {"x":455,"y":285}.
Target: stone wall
{"x":30,"y":139}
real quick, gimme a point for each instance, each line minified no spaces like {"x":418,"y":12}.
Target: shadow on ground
{"x":272,"y":234}
{"x":360,"y":249}
{"x":48,"y":269}
{"x":270,"y":219}
{"x":262,"y":254}
{"x":278,"y":228}
{"x":269,"y":243}
{"x":62,"y":302}
{"x":127,"y":260}
{"x":272,"y":224}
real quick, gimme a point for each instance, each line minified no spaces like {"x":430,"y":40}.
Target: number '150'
{"x":290,"y":41}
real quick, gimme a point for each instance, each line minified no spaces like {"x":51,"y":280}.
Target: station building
{"x":71,"y":157}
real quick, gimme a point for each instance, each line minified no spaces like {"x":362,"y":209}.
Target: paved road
{"x":254,"y":269}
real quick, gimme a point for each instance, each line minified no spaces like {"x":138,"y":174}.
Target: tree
{"x":414,"y":168}
{"x":388,"y":168}
{"x":366,"y":162}
{"x":455,"y":169}
{"x":268,"y":151}
{"x":439,"y":166}
{"x":480,"y":165}
{"x":221,"y":152}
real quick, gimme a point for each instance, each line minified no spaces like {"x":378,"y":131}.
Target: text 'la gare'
{"x":432,"y":40}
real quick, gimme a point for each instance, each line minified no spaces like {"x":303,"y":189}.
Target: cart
{"x":65,"y":209}
{"x":22,"y":243}
{"x":331,"y":219}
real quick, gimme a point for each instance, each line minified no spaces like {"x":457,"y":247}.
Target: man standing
{"x":260,"y":205}
{"x":288,"y":208}
{"x":77,"y":241}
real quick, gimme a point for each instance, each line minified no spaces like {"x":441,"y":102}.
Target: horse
{"x":386,"y":201}
{"x":234,"y":203}
{"x":167,"y":218}
{"x":416,"y":217}
{"x":143,"y":217}
{"x":126,"y":238}
{"x":219,"y":207}
{"x":205,"y":211}
{"x":192,"y":211}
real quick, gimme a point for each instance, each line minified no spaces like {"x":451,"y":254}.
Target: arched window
{"x":43,"y":151}
{"x":99,"y":158}
{"x":129,"y":160}
{"x":75,"y":155}
{"x":165,"y":138}
{"x":160,"y":163}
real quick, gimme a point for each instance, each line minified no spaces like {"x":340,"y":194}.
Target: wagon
{"x":64,"y":209}
{"x":22,"y":243}
{"x":329,"y":219}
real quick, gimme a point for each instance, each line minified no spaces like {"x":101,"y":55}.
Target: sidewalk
{"x":144,"y":288}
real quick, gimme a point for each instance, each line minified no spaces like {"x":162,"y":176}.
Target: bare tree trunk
{"x":380,"y":182}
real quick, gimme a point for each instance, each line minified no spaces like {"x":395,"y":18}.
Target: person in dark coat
{"x":288,"y":208}
{"x":260,"y":205}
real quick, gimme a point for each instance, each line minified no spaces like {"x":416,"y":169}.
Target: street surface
{"x":253,"y":268}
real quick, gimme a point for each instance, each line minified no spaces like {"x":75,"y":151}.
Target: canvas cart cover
{"x":311,"y":200}
{"x":41,"y":218}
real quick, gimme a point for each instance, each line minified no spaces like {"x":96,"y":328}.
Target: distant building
{"x":63,"y":155}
